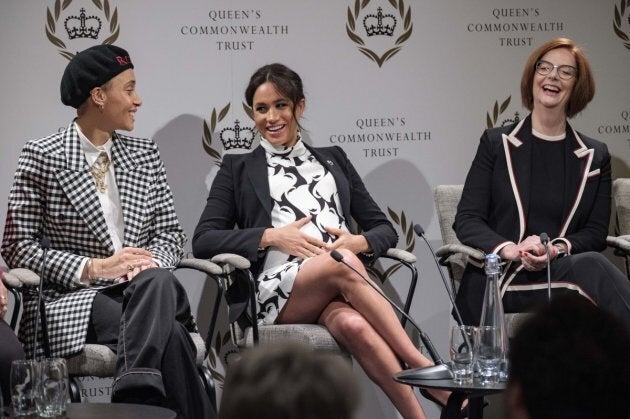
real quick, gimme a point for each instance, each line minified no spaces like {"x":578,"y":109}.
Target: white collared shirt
{"x":110,"y":199}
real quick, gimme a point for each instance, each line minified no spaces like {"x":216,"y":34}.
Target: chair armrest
{"x":11,"y":281}
{"x":621,"y":244}
{"x":231,"y":261}
{"x":202,"y":265}
{"x":24,"y":276}
{"x":401,"y":255}
{"x":444,"y":252}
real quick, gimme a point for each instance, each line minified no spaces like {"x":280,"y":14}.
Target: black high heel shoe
{"x":425,"y":393}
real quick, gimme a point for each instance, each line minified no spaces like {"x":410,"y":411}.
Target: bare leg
{"x":322,"y":280}
{"x":378,"y":360}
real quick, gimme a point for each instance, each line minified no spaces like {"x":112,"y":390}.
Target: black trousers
{"x":591,"y":274}
{"x":147,"y":323}
{"x":10,"y":350}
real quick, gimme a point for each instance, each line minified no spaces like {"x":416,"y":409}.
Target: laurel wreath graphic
{"x":351,"y":27}
{"x":619,"y":13}
{"x":208,"y":130}
{"x":52,"y":19}
{"x":496,"y":112}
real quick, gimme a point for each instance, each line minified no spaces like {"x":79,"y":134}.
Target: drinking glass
{"x":23,"y":383}
{"x":52,"y":387}
{"x":488,"y":353}
{"x":462,"y":353}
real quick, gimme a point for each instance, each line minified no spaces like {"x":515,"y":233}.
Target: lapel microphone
{"x":544,"y":240}
{"x":440,"y":370}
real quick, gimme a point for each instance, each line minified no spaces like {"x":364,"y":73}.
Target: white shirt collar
{"x":91,"y":151}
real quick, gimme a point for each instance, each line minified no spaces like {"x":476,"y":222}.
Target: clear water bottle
{"x":492,"y":338}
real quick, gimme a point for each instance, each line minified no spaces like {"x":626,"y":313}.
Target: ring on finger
{"x":130,"y":268}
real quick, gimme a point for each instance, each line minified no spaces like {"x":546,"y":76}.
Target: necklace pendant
{"x":100,"y":184}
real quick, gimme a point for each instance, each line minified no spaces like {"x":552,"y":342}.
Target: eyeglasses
{"x":565,"y":72}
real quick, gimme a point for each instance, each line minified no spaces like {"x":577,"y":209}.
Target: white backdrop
{"x":409,"y":121}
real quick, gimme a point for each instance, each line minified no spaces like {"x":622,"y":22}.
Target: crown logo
{"x":379,"y":24}
{"x":514,"y":120}
{"x":83,"y":26}
{"x":237,"y":137}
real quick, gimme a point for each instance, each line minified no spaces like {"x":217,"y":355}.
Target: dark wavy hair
{"x":287,"y":81}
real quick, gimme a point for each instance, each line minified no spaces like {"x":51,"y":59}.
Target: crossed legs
{"x":329,"y":293}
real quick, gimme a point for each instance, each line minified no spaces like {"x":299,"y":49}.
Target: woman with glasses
{"x":540,"y":175}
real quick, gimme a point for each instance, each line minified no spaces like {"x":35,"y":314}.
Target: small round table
{"x":474,"y":392}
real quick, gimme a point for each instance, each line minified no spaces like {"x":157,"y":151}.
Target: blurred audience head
{"x":288,"y":381}
{"x":569,"y":360}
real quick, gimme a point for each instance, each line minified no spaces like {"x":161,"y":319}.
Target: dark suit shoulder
{"x":330,"y":152}
{"x":242,"y":159}
{"x":591,"y":142}
{"x":333,"y":149}
{"x":496,"y":133}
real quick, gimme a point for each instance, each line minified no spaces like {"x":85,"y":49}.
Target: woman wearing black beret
{"x":103,"y":201}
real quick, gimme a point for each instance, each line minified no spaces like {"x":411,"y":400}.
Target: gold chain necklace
{"x":99,"y":170}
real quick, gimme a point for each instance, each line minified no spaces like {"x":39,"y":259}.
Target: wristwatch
{"x":561,"y":252}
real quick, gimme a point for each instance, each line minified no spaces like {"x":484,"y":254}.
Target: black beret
{"x":91,"y":68}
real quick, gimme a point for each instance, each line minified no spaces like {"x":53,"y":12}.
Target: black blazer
{"x":496,"y":199}
{"x":240,"y":197}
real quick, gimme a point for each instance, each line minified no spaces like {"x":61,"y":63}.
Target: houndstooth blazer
{"x":53,"y":194}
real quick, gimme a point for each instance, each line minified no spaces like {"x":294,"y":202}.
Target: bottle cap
{"x":492,"y":264}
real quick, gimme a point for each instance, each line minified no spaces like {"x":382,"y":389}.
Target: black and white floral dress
{"x":299,"y":186}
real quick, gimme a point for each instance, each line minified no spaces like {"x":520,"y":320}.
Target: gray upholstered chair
{"x":98,"y":360}
{"x":620,"y":242}
{"x":453,"y":254}
{"x":316,"y":336}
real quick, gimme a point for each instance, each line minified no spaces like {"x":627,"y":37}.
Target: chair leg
{"x":208,"y":385}
{"x":75,"y":390}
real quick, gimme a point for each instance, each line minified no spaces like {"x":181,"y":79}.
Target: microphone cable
{"x":425,"y":339}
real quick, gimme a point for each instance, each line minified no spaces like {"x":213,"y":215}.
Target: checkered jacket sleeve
{"x":29,"y":200}
{"x":165,"y":237}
